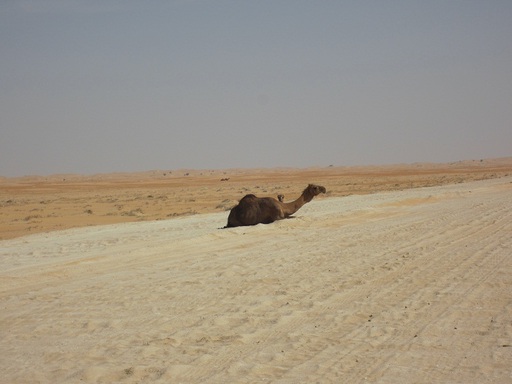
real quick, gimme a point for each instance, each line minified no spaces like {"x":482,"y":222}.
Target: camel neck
{"x":294,"y":206}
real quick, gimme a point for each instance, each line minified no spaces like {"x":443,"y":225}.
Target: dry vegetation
{"x":39,"y":204}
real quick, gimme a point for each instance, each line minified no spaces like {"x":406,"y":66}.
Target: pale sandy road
{"x":412,"y":286}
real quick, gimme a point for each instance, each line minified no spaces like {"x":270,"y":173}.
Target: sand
{"x":38,"y":204}
{"x":395,"y":286}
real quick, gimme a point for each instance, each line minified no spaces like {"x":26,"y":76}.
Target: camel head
{"x":313,"y":190}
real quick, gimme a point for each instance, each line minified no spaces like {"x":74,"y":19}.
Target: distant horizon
{"x":169,"y":171}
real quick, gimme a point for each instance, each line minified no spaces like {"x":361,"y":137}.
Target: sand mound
{"x":404,"y":286}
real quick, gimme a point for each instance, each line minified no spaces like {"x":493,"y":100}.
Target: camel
{"x":252,"y":210}
{"x":280,"y":198}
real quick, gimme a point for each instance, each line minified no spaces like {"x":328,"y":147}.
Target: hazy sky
{"x":118,"y":85}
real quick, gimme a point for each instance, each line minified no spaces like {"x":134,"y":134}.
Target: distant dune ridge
{"x":397,"y":275}
{"x":45,"y":203}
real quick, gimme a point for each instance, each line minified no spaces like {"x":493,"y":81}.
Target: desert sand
{"x":404,"y":277}
{"x":36,"y":204}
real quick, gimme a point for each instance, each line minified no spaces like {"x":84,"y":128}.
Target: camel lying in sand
{"x":252,"y":210}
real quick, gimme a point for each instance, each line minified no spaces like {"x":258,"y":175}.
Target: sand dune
{"x":38,"y":204}
{"x":408,"y":286}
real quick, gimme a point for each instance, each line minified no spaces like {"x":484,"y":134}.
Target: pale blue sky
{"x":120,"y":85}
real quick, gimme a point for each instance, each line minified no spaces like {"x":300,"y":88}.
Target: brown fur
{"x":252,"y":210}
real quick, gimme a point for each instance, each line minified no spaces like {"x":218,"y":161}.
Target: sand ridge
{"x":390,"y":287}
{"x":40,"y":204}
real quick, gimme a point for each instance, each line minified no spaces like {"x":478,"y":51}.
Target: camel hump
{"x":248,"y":197}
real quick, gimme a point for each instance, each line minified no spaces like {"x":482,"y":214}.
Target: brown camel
{"x":280,"y":198}
{"x":252,"y":210}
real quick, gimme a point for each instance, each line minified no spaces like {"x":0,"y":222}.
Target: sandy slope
{"x":409,"y":286}
{"x":38,"y":204}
